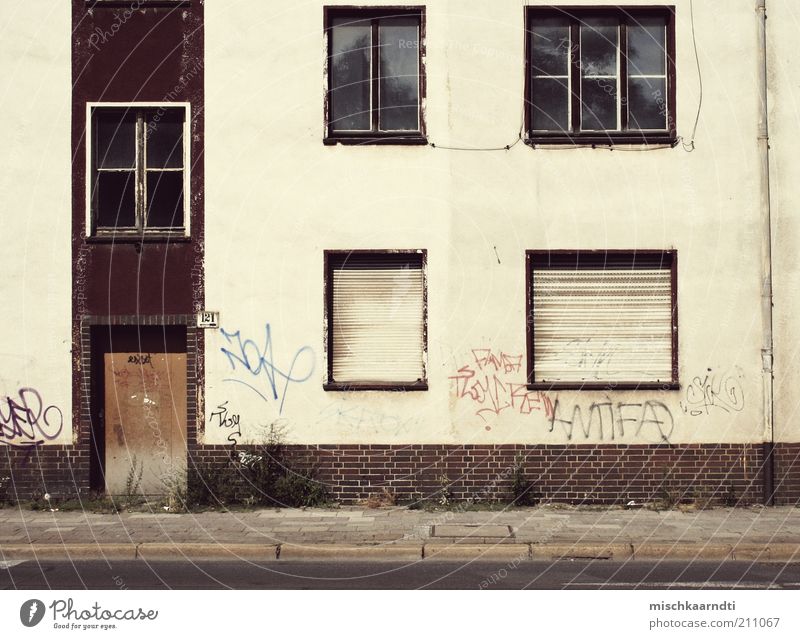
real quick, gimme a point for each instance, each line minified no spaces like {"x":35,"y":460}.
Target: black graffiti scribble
{"x":25,"y":421}
{"x":713,"y":390}
{"x":608,"y":420}
{"x":226,"y":420}
{"x":142,"y":358}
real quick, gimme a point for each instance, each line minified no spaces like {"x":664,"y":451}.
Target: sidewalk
{"x":545,"y":532}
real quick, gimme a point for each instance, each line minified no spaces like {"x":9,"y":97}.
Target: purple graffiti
{"x":25,"y":421}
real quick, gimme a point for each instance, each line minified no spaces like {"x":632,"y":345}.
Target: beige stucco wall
{"x":784,"y":100}
{"x":35,"y":172}
{"x":276,"y":198}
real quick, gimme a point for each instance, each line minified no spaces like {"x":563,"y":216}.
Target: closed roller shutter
{"x":602,"y":324}
{"x":378,"y":318}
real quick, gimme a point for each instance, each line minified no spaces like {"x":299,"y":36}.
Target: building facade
{"x":428,"y":244}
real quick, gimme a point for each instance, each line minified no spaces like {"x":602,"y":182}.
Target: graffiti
{"x":608,"y":420}
{"x":723,"y":391}
{"x":224,"y":420}
{"x":25,"y":421}
{"x":248,"y":459}
{"x":142,"y":359}
{"x":585,"y":353}
{"x":486,"y":383}
{"x":258,"y":363}
{"x":342,"y":415}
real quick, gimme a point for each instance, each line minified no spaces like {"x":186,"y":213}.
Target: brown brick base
{"x":602,"y":474}
{"x":787,"y":474}
{"x":62,"y":471}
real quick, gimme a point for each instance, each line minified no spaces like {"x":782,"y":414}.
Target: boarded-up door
{"x":145,"y":412}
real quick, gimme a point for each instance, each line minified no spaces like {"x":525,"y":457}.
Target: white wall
{"x":784,"y":100}
{"x":35,"y":170}
{"x":276,"y":198}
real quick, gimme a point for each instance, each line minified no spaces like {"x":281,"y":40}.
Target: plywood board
{"x":145,"y":419}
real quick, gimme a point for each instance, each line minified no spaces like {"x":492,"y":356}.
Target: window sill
{"x":601,"y":140}
{"x":604,"y":386}
{"x":375,"y":386}
{"x":368,"y":140}
{"x":137,"y":238}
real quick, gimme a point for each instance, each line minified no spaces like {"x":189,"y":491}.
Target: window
{"x":601,"y":76}
{"x":375,"y":75}
{"x":138,"y":173}
{"x":376,"y":320}
{"x":602,"y":319}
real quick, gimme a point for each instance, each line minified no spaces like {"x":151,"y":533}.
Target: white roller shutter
{"x":378,"y":319}
{"x":602,"y":324}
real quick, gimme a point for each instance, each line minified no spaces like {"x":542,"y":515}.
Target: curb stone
{"x":152,"y":551}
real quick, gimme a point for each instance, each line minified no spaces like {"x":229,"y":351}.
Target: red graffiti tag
{"x":487,"y":384}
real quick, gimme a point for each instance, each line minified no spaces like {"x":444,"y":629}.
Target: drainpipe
{"x":768,"y":473}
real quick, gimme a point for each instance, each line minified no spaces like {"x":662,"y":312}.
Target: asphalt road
{"x":139,"y":574}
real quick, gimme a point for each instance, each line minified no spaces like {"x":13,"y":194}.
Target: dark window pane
{"x":165,"y":198}
{"x":599,"y":47}
{"x":115,"y":139}
{"x":646,"y":47}
{"x":164,"y":138}
{"x":399,"y":72}
{"x":350,"y":75}
{"x":550,"y":46}
{"x":598,"y":104}
{"x":647,"y":103}
{"x":115,"y":198}
{"x":550,"y":104}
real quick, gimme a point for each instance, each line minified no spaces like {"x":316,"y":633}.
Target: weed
{"x":521,"y":487}
{"x":133,"y":483}
{"x":384,"y":499}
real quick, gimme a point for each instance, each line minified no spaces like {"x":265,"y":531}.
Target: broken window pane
{"x":165,"y":198}
{"x":350,"y":75}
{"x":115,"y":198}
{"x":399,"y":73}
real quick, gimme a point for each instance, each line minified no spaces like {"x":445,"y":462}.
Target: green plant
{"x":133,"y":482}
{"x":669,"y":494}
{"x":521,"y":487}
{"x":263,"y":475}
{"x":445,"y":495}
{"x":730,"y":497}
{"x":174,"y":483}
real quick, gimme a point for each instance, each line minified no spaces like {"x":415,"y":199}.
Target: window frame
{"x":594,"y":259}
{"x":373,"y":136}
{"x":140,"y":232}
{"x":576,"y":14}
{"x":329,"y":384}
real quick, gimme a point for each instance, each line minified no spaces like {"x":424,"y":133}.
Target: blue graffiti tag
{"x":247,"y":356}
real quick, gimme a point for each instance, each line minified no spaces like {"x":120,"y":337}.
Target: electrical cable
{"x":689,"y":147}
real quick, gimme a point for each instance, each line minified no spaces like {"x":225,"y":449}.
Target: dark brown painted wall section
{"x":156,"y":55}
{"x":152,"y":54}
